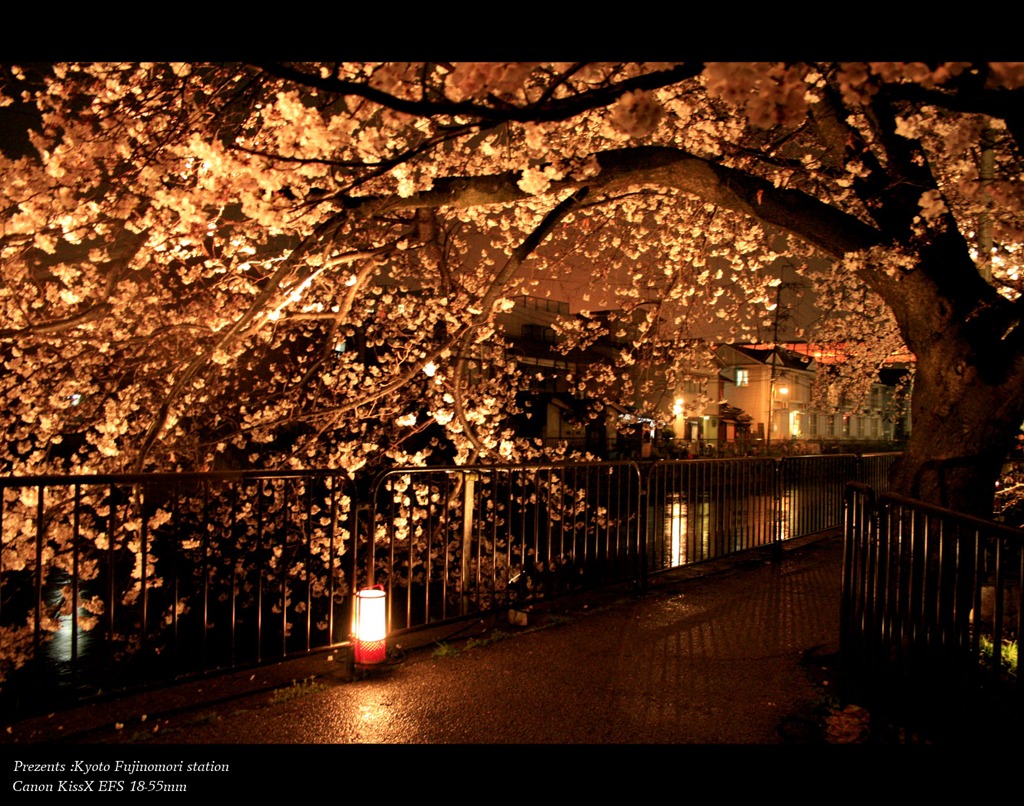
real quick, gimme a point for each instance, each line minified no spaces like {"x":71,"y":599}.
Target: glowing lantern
{"x":370,"y":628}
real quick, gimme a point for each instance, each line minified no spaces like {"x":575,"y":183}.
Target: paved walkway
{"x":702,"y":683}
{"x":712,"y":657}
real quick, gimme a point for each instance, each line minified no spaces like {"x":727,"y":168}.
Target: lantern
{"x":369,"y":628}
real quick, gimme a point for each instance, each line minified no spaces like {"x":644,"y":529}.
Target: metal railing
{"x":117,"y":581}
{"x":451,"y":542}
{"x":931,"y":614}
{"x":112,"y":581}
{"x":702,"y":509}
{"x":874,"y":469}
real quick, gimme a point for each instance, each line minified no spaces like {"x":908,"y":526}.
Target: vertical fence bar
{"x":332,"y":483}
{"x":3,"y":567}
{"x":261,"y":569}
{"x":75,"y":548}
{"x":40,"y":529}
{"x":997,"y":606}
{"x":916,"y":611}
{"x":466,"y":556}
{"x":283,"y":565}
{"x":144,"y":571}
{"x":112,"y":603}
{"x":1020,"y":615}
{"x":205,"y":571}
{"x":309,"y":564}
{"x":232,"y":576}
{"x":174,"y":551}
{"x":640,"y":529}
{"x":560,"y":525}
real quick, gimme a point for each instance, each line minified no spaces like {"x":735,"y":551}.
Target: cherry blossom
{"x":294,"y":264}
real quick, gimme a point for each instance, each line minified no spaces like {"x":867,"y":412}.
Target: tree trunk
{"x":961,"y":432}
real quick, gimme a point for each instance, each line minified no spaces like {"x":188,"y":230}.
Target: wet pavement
{"x":711,"y":655}
{"x":722,"y":675}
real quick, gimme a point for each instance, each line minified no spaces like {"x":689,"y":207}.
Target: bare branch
{"x":90,"y":314}
{"x":547,"y":110}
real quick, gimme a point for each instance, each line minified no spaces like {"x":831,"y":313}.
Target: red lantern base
{"x":370,"y":652}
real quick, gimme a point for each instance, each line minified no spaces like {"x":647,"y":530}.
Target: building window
{"x":545,"y":335}
{"x":543,"y":304}
{"x":812,"y":425}
{"x":742,"y":377}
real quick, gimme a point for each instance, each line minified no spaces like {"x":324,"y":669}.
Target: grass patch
{"x":493,"y":638}
{"x":444,"y":650}
{"x":298,"y":688}
{"x":1007,"y":657}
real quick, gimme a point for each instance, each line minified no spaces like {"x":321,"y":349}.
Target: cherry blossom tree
{"x":300,"y":264}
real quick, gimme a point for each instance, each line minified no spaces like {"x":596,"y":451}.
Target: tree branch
{"x":121,"y":256}
{"x":90,"y":314}
{"x":231,"y":333}
{"x":828,"y":229}
{"x":969,"y":95}
{"x":508,"y":271}
{"x":549,"y":111}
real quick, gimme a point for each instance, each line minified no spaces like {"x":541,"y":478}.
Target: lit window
{"x":742,"y":377}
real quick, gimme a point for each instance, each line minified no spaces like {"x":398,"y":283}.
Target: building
{"x":774,"y":385}
{"x":682,"y":400}
{"x":555,"y":410}
{"x":659,"y":399}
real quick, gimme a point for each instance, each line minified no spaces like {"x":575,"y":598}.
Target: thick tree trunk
{"x":961,"y":432}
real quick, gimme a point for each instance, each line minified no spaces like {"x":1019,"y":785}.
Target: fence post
{"x":777,"y":513}
{"x":860,"y":585}
{"x":40,"y":580}
{"x":468,"y":492}
{"x":643,"y":525}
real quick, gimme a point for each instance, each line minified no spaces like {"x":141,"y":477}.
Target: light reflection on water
{"x":60,"y":648}
{"x":696,"y":526}
{"x":677,"y":525}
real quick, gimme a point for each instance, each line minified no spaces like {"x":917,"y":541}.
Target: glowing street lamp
{"x":369,"y":629}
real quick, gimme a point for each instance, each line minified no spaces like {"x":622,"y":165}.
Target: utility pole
{"x":780,"y":316}
{"x":773,"y":358}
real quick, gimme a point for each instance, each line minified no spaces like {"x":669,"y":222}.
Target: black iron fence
{"x":116,"y":581}
{"x":452,"y":542}
{"x":111,"y":581}
{"x":702,"y":509}
{"x":931,"y":618}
